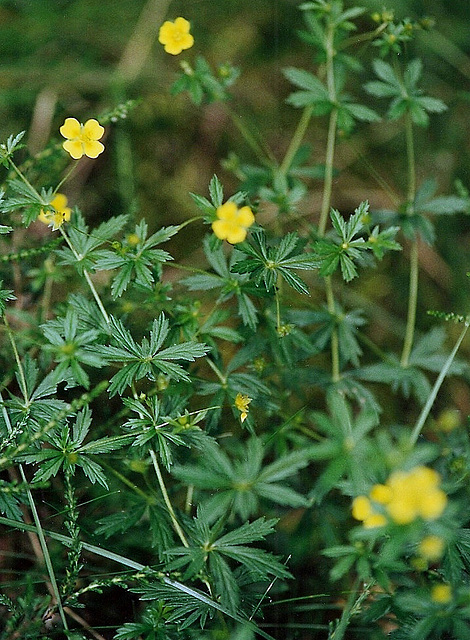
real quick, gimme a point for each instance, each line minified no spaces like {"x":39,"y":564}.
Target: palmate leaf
{"x":266,"y":263}
{"x":137,"y":262}
{"x":146,"y":359}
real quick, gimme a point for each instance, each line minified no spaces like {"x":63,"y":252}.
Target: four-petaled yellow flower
{"x":82,"y":139}
{"x":241,"y":403}
{"x":175,"y":36}
{"x":59,"y":213}
{"x":232,"y":223}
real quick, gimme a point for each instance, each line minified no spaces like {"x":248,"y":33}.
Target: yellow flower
{"x":431,"y":548}
{"x":441,"y":593}
{"x":175,"y":36}
{"x":82,"y":139}
{"x":241,"y":403}
{"x":232,"y":223}
{"x":381,"y":493}
{"x":375,"y":520}
{"x":362,"y":510}
{"x":59,"y":213}
{"x":415,"y":493}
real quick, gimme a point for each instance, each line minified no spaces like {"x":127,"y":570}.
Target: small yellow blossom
{"x":362,"y":510}
{"x":415,"y":493}
{"x":82,"y":139}
{"x":381,"y":493}
{"x":431,"y":548}
{"x":441,"y":593}
{"x":232,"y":223}
{"x":375,"y":520}
{"x":59,"y":213}
{"x":175,"y":36}
{"x":241,"y":403}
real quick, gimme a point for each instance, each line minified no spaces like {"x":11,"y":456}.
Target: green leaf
{"x":216,"y":191}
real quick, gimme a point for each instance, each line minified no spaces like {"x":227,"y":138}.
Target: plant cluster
{"x":189,"y":436}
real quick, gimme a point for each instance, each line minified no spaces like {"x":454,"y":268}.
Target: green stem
{"x":22,"y":380}
{"x":414,"y":256}
{"x":27,"y":182}
{"x":296,"y":140}
{"x":93,"y":290}
{"x":327,"y":191}
{"x":412,"y":304}
{"x":217,"y":371}
{"x":437,"y":385}
{"x":264,"y":155}
{"x":328,"y":184}
{"x":330,"y":299}
{"x":166,"y":499}
{"x":66,"y":177}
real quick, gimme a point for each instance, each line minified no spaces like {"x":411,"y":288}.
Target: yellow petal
{"x":182,"y":25}
{"x":227,"y":211}
{"x":375,"y":520}
{"x":93,"y":148}
{"x":245,"y":217}
{"x":74,"y":147}
{"x":236,"y":235}
{"x":361,"y":508}
{"x":166,"y":32}
{"x":92,"y":130}
{"x":173,"y":47}
{"x":381,"y":493}
{"x":221,"y":228}
{"x":71,"y":128}
{"x":59,"y":201}
{"x":45,"y":217}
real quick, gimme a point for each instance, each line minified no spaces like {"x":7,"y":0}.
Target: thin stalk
{"x":330,"y":299}
{"x":414,"y":257}
{"x":264,"y":155}
{"x":296,"y":140}
{"x":27,"y":182}
{"x":87,"y":276}
{"x":412,"y":304}
{"x":22,"y":380}
{"x":327,"y":191}
{"x":437,"y":385}
{"x":353,"y":601}
{"x":66,"y":177}
{"x":217,"y":371}
{"x":166,"y":499}
{"x":328,"y":183}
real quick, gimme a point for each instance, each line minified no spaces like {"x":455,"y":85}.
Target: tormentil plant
{"x":200,"y":447}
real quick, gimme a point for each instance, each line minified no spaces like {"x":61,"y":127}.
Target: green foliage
{"x":200,"y":435}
